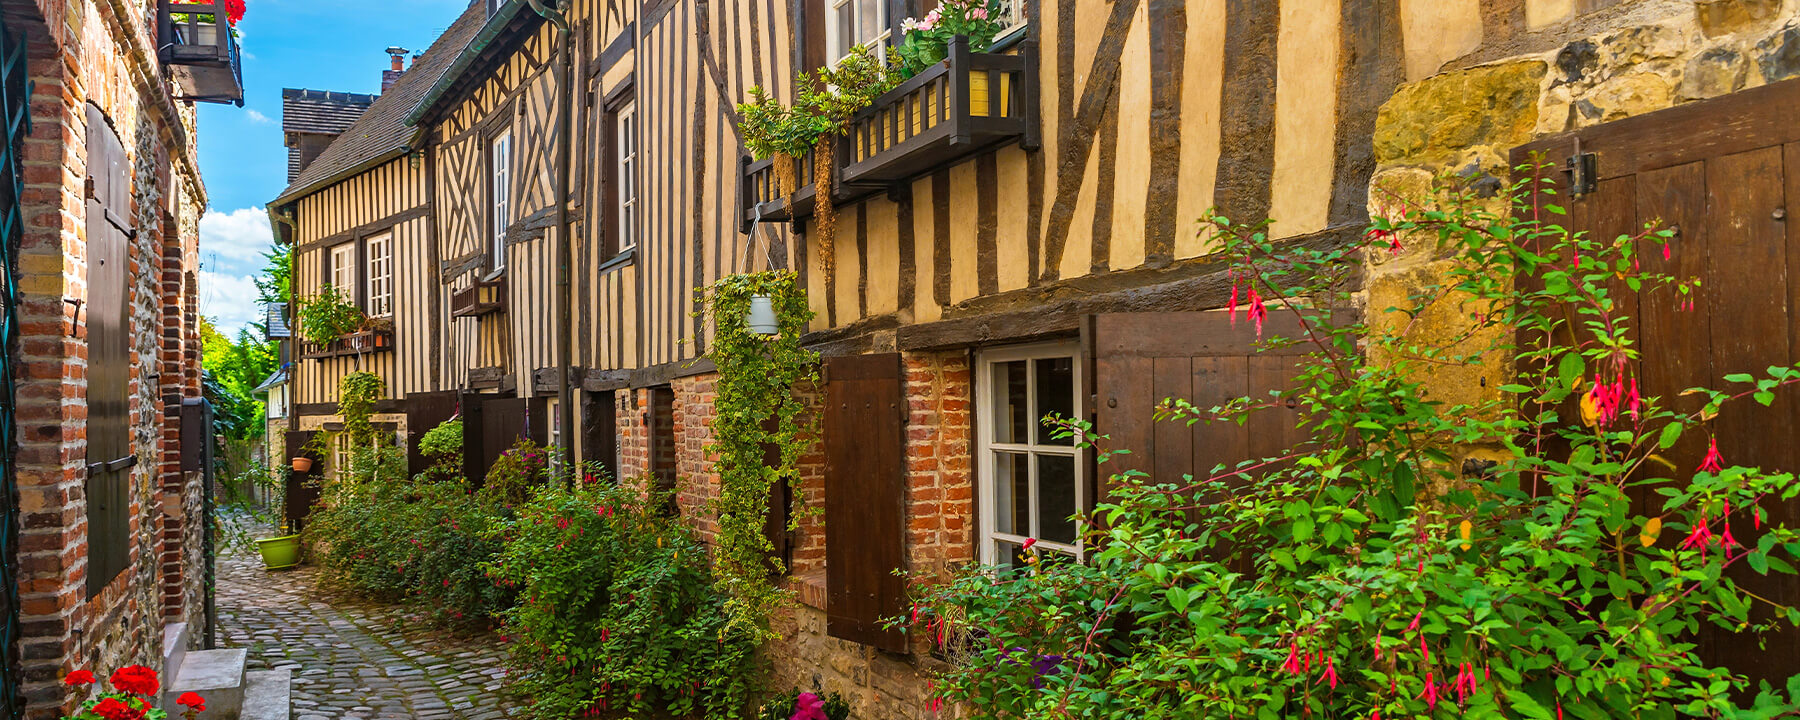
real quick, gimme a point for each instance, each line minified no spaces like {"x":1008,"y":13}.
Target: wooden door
{"x":865,"y":498}
{"x":1726,"y":174}
{"x":109,"y":451}
{"x":1142,"y":359}
{"x":425,"y":411}
{"x":504,"y":421}
{"x":302,"y":490}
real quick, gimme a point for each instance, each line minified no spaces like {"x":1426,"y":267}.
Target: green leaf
{"x":1670,"y":434}
{"x":1570,"y":370}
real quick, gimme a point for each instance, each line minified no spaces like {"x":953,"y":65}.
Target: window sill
{"x":809,"y":588}
{"x":627,"y":257}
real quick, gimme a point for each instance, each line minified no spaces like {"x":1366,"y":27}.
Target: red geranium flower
{"x":79,"y":677}
{"x":193,"y":700}
{"x":113,"y":709}
{"x":234,"y":11}
{"x":135,"y":679}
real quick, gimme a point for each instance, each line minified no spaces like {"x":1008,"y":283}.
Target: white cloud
{"x":257,"y":117}
{"x":234,"y":241}
{"x":228,"y":300}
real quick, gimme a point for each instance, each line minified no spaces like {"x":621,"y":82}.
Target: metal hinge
{"x":1583,"y":170}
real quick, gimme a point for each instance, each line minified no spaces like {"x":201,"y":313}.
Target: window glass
{"x":502,"y":194}
{"x":1031,"y":484}
{"x":381,"y":276}
{"x":343,"y":270}
{"x":628,"y":192}
{"x":856,"y":22}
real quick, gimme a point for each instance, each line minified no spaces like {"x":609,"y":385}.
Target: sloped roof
{"x":382,"y":134}
{"x":321,"y":111}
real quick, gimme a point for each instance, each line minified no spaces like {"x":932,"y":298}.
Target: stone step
{"x":217,"y":675}
{"x":175,"y":645}
{"x":268,"y":694}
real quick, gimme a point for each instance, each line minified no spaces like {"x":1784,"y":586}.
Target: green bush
{"x":442,"y":446}
{"x":617,"y":611}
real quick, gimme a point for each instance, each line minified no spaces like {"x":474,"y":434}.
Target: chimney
{"x":397,"y":58}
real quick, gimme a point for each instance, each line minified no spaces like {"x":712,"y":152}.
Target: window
{"x":340,"y":455}
{"x":343,"y":270}
{"x":1012,"y":16}
{"x":856,"y":22}
{"x":625,"y":121}
{"x":501,"y":191}
{"x":381,"y":276}
{"x":1032,"y":483}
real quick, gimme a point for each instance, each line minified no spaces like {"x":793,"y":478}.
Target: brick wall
{"x":89,"y":53}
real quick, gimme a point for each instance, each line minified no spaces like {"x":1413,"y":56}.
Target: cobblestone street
{"x":350,"y":658}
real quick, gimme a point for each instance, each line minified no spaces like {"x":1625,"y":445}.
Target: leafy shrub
{"x":442,"y":446}
{"x":927,"y":39}
{"x":617,"y":612}
{"x":517,"y":473}
{"x":329,"y":315}
{"x":1362,"y":575}
{"x":788,"y":705}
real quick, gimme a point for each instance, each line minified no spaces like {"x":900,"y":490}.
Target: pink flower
{"x":1713,"y":462}
{"x":808,"y":707}
{"x":1231,"y":307}
{"x":1257,"y":312}
{"x":1293,"y":660}
{"x":1415,"y":622}
{"x":1431,"y":692}
{"x":979,"y":13}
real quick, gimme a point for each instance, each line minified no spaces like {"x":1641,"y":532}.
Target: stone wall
{"x":102,"y":53}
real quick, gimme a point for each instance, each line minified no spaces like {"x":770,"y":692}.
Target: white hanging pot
{"x":761,"y":319}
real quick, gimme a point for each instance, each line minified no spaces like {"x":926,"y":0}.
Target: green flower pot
{"x":280,"y":552}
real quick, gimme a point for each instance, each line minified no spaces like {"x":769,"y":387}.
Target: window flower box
{"x":482,"y":298}
{"x":764,"y":200}
{"x":356,"y":343}
{"x":201,"y":52}
{"x":968,"y":103}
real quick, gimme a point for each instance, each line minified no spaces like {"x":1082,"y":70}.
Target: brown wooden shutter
{"x":1726,"y":173}
{"x":475,"y":463}
{"x":302,"y":490}
{"x":600,"y":441}
{"x":109,"y":452}
{"x":504,"y":420}
{"x":1140,"y":359}
{"x":865,"y":498}
{"x":425,"y":411}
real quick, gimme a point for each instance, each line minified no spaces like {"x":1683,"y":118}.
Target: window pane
{"x":1056,"y":498}
{"x":870,"y":17}
{"x":1012,"y":417}
{"x":1055,"y":394}
{"x":846,"y":25}
{"x":1012,"y":490}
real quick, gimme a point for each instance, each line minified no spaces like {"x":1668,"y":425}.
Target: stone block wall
{"x":102,"y":53}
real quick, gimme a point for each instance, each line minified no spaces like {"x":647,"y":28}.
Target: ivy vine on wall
{"x":756,"y":381}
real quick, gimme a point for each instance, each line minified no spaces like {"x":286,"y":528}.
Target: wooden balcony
{"x":964,"y":105}
{"x":356,"y":343}
{"x":195,"y":42}
{"x":482,"y":298}
{"x":765,"y":200}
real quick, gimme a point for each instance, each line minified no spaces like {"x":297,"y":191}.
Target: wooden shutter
{"x":1140,"y":359}
{"x":1726,"y":173}
{"x":812,"y":34}
{"x":865,"y":498}
{"x":600,"y":441}
{"x":425,"y":411}
{"x":504,"y":420}
{"x":475,"y":463}
{"x":109,"y":453}
{"x":302,"y":490}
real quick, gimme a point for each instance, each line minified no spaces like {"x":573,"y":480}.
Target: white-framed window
{"x":626,"y":120}
{"x":1012,"y":16}
{"x":500,"y":188}
{"x":340,"y":455}
{"x":381,"y":275}
{"x":856,"y":22}
{"x":343,"y":270}
{"x":1032,"y":483}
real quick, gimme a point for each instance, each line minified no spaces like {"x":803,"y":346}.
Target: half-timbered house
{"x":1015,"y":235}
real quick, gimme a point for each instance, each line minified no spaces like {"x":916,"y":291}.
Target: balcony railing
{"x":967,"y":104}
{"x":485,"y":296}
{"x":356,"y":343}
{"x":196,"y":43}
{"x":954,"y":109}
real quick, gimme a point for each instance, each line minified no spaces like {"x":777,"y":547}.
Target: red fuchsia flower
{"x":1257,"y":311}
{"x":1231,"y":307}
{"x":1293,"y":660}
{"x":1331,"y":676}
{"x":1633,"y":400}
{"x":1700,"y":537}
{"x":1665,"y":251}
{"x":1415,"y":623}
{"x":234,"y":11}
{"x":562,"y":523}
{"x":1714,"y":462}
{"x":192,"y":700}
{"x":1378,"y":645}
{"x":1757,"y":516}
{"x":79,"y":677}
{"x":1559,"y":710}
{"x":1028,"y":543}
{"x":1431,"y":691}
{"x":135,"y":679}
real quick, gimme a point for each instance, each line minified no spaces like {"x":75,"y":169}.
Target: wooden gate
{"x":865,"y":498}
{"x":1726,"y":174}
{"x":491,"y":425}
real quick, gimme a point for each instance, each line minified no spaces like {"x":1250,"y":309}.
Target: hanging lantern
{"x":762,"y":316}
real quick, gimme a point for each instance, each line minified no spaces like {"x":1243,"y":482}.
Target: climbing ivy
{"x":757,"y":377}
{"x":357,"y":393}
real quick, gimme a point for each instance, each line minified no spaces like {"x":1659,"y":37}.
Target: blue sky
{"x":318,"y":44}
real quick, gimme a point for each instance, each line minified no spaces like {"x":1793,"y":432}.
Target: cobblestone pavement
{"x":353,"y":659}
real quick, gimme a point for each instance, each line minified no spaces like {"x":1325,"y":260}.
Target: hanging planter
{"x":301,"y":463}
{"x":761,"y":319}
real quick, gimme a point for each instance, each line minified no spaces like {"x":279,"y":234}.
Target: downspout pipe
{"x":565,"y":133}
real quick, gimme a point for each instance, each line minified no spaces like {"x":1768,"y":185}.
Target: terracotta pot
{"x":301,"y":464}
